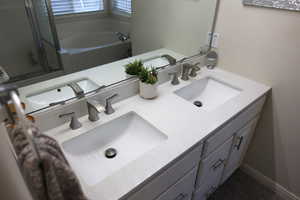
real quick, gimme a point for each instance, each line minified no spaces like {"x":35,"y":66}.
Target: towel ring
{"x":23,"y":121}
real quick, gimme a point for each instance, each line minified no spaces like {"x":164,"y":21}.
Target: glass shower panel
{"x":19,"y":53}
{"x":47,"y":31}
{"x":43,"y":21}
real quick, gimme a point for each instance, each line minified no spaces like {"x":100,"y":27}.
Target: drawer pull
{"x":218,"y":164}
{"x":238,"y":146}
{"x":181,"y":196}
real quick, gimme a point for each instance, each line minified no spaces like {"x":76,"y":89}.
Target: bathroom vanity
{"x":167,"y":148}
{"x":181,"y":145}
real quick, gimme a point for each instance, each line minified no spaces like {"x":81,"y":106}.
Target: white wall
{"x":264,"y":45}
{"x":179,"y":25}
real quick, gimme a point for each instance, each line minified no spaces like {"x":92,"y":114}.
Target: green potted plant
{"x":148,"y":83}
{"x":133,"y":68}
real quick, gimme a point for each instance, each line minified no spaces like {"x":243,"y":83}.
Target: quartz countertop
{"x":184,"y":125}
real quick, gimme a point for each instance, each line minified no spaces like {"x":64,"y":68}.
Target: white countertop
{"x":102,"y":75}
{"x":184,"y":125}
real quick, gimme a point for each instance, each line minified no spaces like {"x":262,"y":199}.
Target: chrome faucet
{"x":94,"y":108}
{"x":76,"y":89}
{"x":4,"y":77}
{"x":175,"y":80}
{"x":108,"y":106}
{"x":185,"y":71}
{"x":195,"y":69}
{"x":171,"y":60}
{"x":122,"y":37}
{"x":74,"y":124}
{"x":189,"y":70}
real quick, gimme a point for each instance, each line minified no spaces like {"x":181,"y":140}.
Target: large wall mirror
{"x":56,"y":49}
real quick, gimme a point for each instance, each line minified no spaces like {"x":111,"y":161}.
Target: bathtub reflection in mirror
{"x":92,"y":41}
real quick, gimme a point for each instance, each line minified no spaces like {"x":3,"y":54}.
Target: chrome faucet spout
{"x":76,"y":89}
{"x":94,"y":108}
{"x":171,"y":60}
{"x":122,"y":37}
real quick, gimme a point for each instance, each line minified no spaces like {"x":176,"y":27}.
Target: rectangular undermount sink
{"x":156,"y":61}
{"x":60,"y":93}
{"x":208,"y":93}
{"x":129,"y":136}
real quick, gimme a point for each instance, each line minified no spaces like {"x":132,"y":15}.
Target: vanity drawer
{"x":169,"y":177}
{"x":232,"y":127}
{"x":183,"y":189}
{"x":240,"y":146}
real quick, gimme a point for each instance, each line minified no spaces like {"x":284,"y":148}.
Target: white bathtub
{"x":92,"y":43}
{"x":86,"y":50}
{"x":86,"y":41}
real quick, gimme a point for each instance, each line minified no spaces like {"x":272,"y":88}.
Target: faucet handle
{"x":108,"y":106}
{"x":175,"y":80}
{"x":75,"y":123}
{"x":194,"y":70}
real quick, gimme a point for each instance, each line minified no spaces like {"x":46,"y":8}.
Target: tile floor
{"x":243,"y":187}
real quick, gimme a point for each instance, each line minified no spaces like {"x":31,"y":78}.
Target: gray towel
{"x":50,"y":177}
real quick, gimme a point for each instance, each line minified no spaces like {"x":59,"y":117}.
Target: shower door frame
{"x":53,"y":25}
{"x":37,"y":36}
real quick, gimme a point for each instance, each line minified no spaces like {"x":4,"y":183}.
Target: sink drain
{"x":110,"y":153}
{"x":198,"y":103}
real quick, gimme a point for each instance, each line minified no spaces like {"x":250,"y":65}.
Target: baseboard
{"x":269,"y":183}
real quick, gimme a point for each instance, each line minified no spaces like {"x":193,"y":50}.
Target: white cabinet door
{"x":240,"y":146}
{"x":241,"y":120}
{"x":210,"y":171}
{"x":168,"y":177}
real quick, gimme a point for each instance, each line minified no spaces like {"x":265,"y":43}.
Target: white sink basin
{"x":129,"y":134}
{"x":210,"y":92}
{"x":156,"y":61}
{"x":59,"y":93}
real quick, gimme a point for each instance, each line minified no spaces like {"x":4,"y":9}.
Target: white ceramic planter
{"x":148,"y":91}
